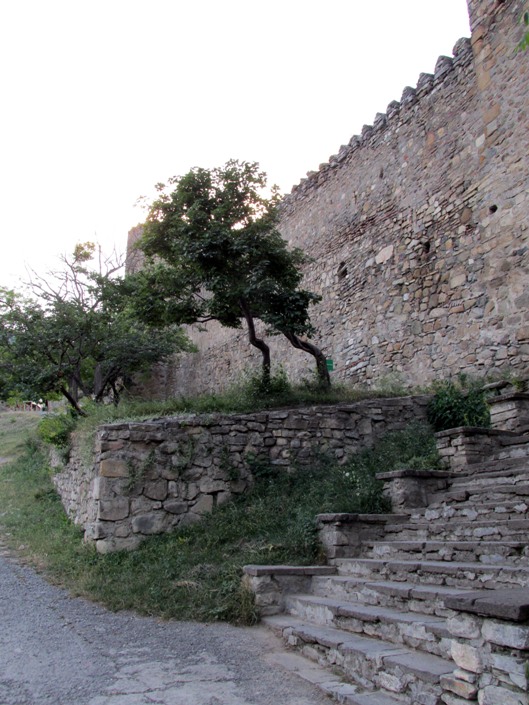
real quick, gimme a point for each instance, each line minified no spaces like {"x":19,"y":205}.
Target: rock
{"x":113,"y":509}
{"x":492,"y":695}
{"x":148,"y":523}
{"x":504,"y":634}
{"x":467,"y":657}
{"x":113,"y":468}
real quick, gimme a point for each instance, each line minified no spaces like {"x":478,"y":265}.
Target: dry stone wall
{"x":417,"y":229}
{"x":152,"y":476}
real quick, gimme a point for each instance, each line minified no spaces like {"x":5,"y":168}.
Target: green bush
{"x":55,"y":430}
{"x":458,"y":403}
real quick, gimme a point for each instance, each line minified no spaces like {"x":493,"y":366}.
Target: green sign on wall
{"x":330,"y":365}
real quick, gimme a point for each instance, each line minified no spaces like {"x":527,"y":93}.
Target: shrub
{"x":55,"y":429}
{"x":458,"y":403}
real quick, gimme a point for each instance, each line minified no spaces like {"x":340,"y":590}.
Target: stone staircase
{"x":430,"y":604}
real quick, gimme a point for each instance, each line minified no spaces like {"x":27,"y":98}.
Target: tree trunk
{"x":115,"y":392}
{"x":321,"y":363}
{"x":257,"y":342}
{"x":98,"y":381}
{"x":72,"y":401}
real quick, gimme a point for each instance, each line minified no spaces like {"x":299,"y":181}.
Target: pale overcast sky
{"x":102,"y":99}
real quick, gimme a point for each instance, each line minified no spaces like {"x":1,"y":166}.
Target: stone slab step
{"x":331,"y":684}
{"x":407,"y":596}
{"x":509,"y":604}
{"x":423,"y":632}
{"x":449,"y":573}
{"x":370,"y":699}
{"x":369,"y":663}
{"x":375,"y":698}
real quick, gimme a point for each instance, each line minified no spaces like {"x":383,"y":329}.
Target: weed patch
{"x":460,"y":402}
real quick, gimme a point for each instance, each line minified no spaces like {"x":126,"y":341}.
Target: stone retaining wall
{"x":152,"y":476}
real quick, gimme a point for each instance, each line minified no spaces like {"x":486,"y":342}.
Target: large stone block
{"x":113,"y":509}
{"x":174,"y":506}
{"x":152,"y":523}
{"x":504,"y":634}
{"x":462,"y":688}
{"x":464,"y":626}
{"x":111,"y":545}
{"x":203,"y":505}
{"x":156,"y":489}
{"x":112,"y":467}
{"x":492,"y":695}
{"x":467,"y":657}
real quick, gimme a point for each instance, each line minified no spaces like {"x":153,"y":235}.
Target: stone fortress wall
{"x":417,"y":230}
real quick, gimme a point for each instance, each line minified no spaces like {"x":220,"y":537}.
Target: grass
{"x":246,"y":397}
{"x":15,"y":427}
{"x":195,"y":573}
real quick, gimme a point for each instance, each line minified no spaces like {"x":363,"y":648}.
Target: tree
{"x":77,"y":334}
{"x":214,"y":253}
{"x":523,"y":44}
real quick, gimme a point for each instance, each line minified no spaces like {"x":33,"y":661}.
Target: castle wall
{"x":417,"y":230}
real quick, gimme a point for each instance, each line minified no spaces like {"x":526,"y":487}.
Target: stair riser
{"x":511,"y":557}
{"x":473,"y":513}
{"x":369,"y":596}
{"x":474,"y":579}
{"x":466,"y":532}
{"x":373,"y":671}
{"x":479,"y":494}
{"x":490,"y":477}
{"x":417,"y":635}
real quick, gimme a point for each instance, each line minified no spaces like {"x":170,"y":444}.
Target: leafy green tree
{"x":214,"y":253}
{"x":77,"y":334}
{"x":523,"y":44}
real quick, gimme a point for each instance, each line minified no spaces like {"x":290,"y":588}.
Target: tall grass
{"x":15,"y":428}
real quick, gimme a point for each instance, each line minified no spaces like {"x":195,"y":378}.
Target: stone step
{"x":330,"y":683}
{"x":409,"y":676}
{"x":514,"y":553}
{"x":456,"y":529}
{"x":450,"y":573}
{"x":403,"y":595}
{"x":366,"y":698}
{"x":423,"y":632}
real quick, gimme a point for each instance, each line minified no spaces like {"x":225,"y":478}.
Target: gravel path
{"x":59,"y":650}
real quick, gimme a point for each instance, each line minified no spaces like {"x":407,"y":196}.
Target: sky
{"x":101,"y":100}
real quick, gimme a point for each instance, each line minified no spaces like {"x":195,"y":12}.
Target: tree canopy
{"x":214,"y":253}
{"x":76,"y":334}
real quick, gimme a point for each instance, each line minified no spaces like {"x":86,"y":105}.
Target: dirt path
{"x":59,"y":650}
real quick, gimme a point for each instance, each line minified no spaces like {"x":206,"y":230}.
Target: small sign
{"x":330,"y":365}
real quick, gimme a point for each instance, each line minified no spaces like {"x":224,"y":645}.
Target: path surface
{"x":59,"y":650}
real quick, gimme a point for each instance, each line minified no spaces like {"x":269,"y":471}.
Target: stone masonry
{"x":150,"y":477}
{"x":417,"y":230}
{"x":428,"y":605}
